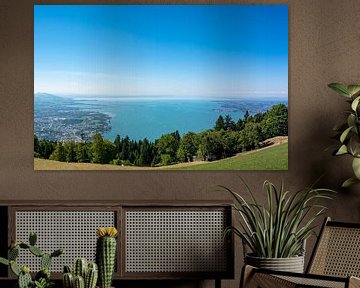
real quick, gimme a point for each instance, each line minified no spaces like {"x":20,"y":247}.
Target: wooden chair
{"x":335,"y":262}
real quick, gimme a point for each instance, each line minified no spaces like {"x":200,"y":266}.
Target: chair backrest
{"x":337,"y":251}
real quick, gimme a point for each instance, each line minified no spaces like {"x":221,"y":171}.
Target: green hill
{"x":269,"y":158}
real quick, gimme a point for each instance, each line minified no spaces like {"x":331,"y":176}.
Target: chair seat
{"x":268,"y":279}
{"x":314,"y":282}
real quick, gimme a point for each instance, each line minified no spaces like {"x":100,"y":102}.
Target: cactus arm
{"x":91,"y":276}
{"x":67,"y":269}
{"x":14,"y":268}
{"x":45,"y":261}
{"x":79,"y":282}
{"x":36,"y":251}
{"x":68,"y":280}
{"x":13,"y":253}
{"x":32,"y":239}
{"x":4,"y":261}
{"x":24,"y":245}
{"x":24,"y":280}
{"x":57,"y":253}
{"x":80,"y":267}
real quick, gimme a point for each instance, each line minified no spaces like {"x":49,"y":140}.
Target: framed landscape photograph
{"x":154,"y":87}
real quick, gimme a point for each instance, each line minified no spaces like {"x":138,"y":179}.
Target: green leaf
{"x":349,"y":182}
{"x":342,"y":150}
{"x":354,"y":145}
{"x":32,"y":238}
{"x":14,"y":268}
{"x":4,"y":261}
{"x":355,"y":103}
{"x":345,"y":134}
{"x":13,"y":253}
{"x":36,"y":251}
{"x":351,"y":120}
{"x":353,"y":89}
{"x":340,"y":88}
{"x":356,"y":167}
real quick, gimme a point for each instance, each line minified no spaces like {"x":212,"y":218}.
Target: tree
{"x":188,"y":147}
{"x":229,"y":124}
{"x":109,"y":151}
{"x":59,"y":153}
{"x":70,"y":153}
{"x":275,"y":122}
{"x":246,"y":115}
{"x":219,"y":124}
{"x":211,"y":144}
{"x":96,"y":149}
{"x":168,"y":144}
{"x":118,"y":146}
{"x":231,"y":142}
{"x":36,"y":146}
{"x":102,"y":151}
{"x":250,"y":136}
{"x":43,"y":148}
{"x":258,"y":117}
{"x":146,"y":152}
{"x":82,"y":152}
{"x":240,"y":124}
{"x":125,"y":149}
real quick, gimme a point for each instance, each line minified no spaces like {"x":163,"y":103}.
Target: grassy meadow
{"x":270,"y":158}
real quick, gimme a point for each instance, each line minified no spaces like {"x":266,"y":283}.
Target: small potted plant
{"x":349,"y":131}
{"x":276,"y":233}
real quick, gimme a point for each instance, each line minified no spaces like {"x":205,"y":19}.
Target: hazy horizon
{"x":187,"y":51}
{"x":175,"y":97}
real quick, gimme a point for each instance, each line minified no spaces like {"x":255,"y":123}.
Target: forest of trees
{"x":227,"y":138}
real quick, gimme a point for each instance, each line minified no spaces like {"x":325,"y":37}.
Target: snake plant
{"x":279,"y":228}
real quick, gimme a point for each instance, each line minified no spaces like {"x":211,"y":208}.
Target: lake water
{"x":150,"y":119}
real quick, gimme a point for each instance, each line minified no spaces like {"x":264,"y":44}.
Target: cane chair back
{"x":335,"y":262}
{"x":337,"y":252}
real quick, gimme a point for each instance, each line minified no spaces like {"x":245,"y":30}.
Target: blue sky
{"x":161,"y":50}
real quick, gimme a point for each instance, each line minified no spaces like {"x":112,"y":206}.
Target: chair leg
{"x":217,"y":283}
{"x":246,"y":274}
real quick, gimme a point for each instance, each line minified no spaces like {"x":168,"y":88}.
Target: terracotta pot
{"x":291,"y":264}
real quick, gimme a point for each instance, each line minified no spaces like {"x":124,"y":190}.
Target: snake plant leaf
{"x":342,"y":150}
{"x":349,"y":182}
{"x":341,"y":89}
{"x":345,"y":134}
{"x":278,"y":228}
{"x":355,"y":103}
{"x":356,"y":167}
{"x":353,"y":89}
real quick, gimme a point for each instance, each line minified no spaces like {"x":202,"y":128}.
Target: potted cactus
{"x":42,"y":278}
{"x":106,"y":254}
{"x":85,"y":275}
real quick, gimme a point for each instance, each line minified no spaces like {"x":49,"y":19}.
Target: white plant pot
{"x":291,"y":264}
